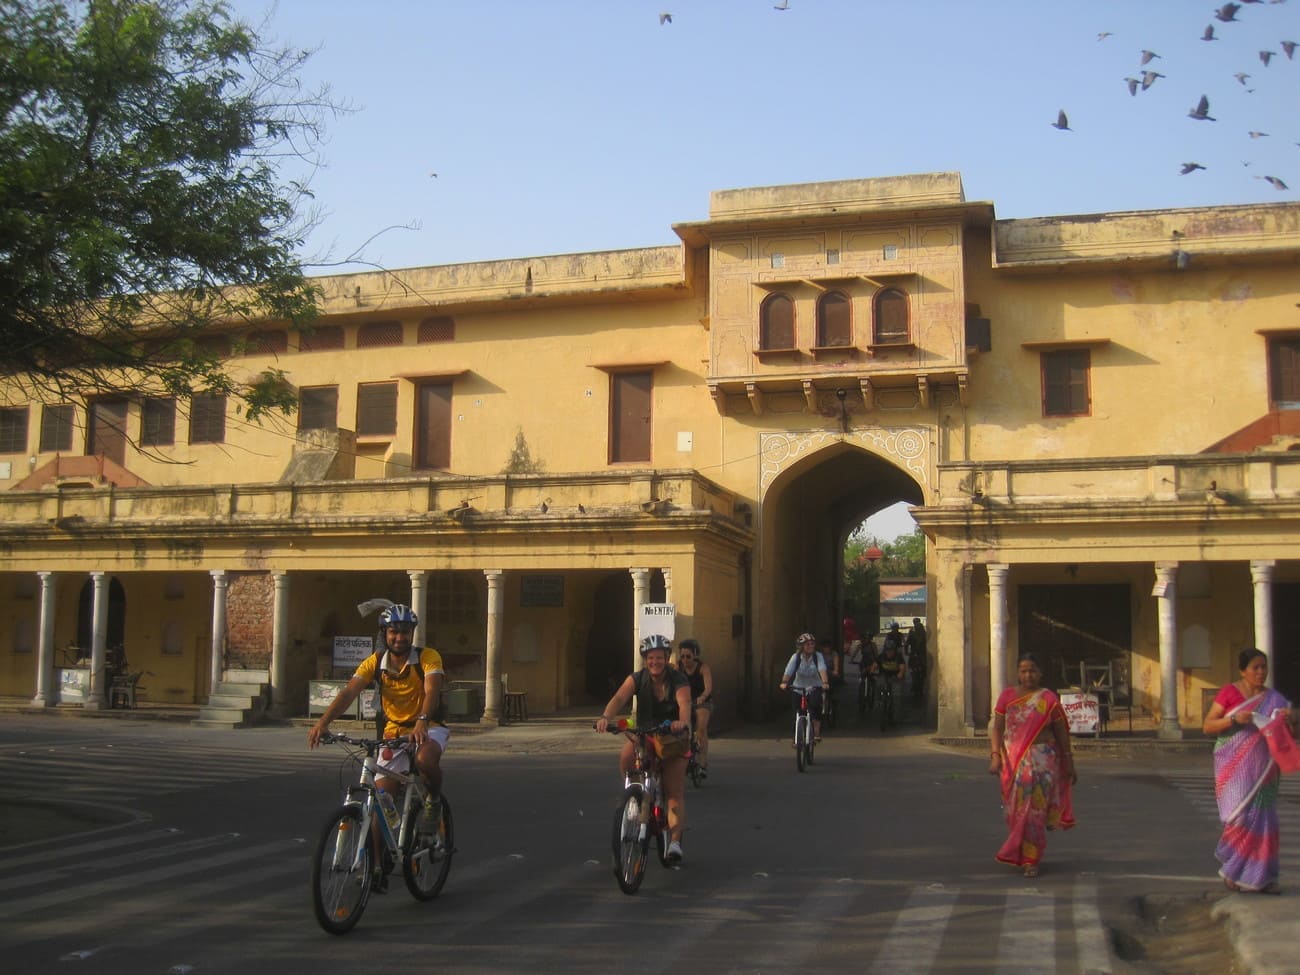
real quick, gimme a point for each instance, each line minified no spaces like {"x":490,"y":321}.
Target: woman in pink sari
{"x":1032,"y":755}
{"x":1246,"y":777}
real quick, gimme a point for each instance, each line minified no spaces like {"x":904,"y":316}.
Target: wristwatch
{"x":422,"y":717}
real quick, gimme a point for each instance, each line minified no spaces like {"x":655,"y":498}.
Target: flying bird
{"x":1209,"y":33}
{"x":1062,"y":122}
{"x":1266,"y":56}
{"x":1149,"y":78}
{"x":1202,"y":111}
{"x":1132,"y":85}
{"x":1241,"y":76}
{"x":1190,"y":168}
{"x":1274,"y":182}
{"x":665,"y":19}
{"x":1257,"y":135}
{"x":1227,"y":13}
{"x":1147,"y":56}
{"x":1104,"y":34}
{"x":783,"y":5}
{"x":1288,"y":48}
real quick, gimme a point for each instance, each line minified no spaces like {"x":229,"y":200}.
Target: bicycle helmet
{"x":656,"y":642}
{"x":803,"y":638}
{"x":398,"y":615}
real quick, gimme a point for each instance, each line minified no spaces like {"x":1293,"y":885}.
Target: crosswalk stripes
{"x":1198,"y":788}
{"x":911,"y":946}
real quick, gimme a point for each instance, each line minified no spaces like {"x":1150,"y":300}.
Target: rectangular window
{"x":433,"y":426}
{"x":1065,"y":382}
{"x":56,"y":427}
{"x":13,"y":430}
{"x":630,"y":395}
{"x":158,"y":422}
{"x":1284,"y":373}
{"x":106,"y":433}
{"x":207,"y":418}
{"x":376,"y":409}
{"x":318,"y":408}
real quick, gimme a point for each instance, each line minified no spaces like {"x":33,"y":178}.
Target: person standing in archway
{"x":917,"y":659}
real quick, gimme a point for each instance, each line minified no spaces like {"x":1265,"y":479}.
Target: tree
{"x":904,"y":558}
{"x":139,"y":198}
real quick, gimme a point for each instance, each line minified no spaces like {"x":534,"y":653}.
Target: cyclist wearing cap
{"x":701,"y":678}
{"x":806,"y":671}
{"x":410,"y":694}
{"x":662,"y":694}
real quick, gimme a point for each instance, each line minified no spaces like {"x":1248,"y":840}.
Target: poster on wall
{"x":1082,"y":712}
{"x":351,"y":650}
{"x":656,"y":619}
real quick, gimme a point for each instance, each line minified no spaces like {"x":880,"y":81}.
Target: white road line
{"x":913,"y":942}
{"x":1089,"y":935}
{"x":1028,"y":939}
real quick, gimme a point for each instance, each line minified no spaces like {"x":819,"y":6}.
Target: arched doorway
{"x":116,"y":635}
{"x":824,"y":488}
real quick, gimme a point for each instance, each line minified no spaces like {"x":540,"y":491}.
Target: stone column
{"x":279,"y":644}
{"x":1261,"y":578}
{"x":668,"y":584}
{"x":46,"y":692}
{"x":220,"y":592}
{"x":998,"y":572}
{"x":1167,"y":613}
{"x":419,"y":603}
{"x":640,"y":596}
{"x":492,"y":702}
{"x":97,"y":697}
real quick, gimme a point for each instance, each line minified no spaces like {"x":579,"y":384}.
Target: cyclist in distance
{"x":662,"y":694}
{"x":701,"y":678}
{"x":807,"y":671}
{"x":410,"y":695}
{"x":890,"y":664}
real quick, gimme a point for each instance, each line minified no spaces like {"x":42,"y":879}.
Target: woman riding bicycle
{"x":701,"y":678}
{"x":806,"y":671}
{"x":662,"y":694}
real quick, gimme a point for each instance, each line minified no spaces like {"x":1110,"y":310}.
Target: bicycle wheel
{"x":427,"y":859}
{"x":340,"y":874}
{"x":886,"y":707}
{"x":864,"y":697}
{"x":800,"y":741}
{"x":631,"y":840}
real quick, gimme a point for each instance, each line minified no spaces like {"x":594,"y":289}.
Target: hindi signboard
{"x":1082,"y":712}
{"x":351,"y":650}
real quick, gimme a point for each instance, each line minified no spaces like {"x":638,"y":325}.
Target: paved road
{"x":879,"y":859}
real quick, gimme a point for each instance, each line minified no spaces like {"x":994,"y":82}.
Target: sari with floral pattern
{"x":1036,"y":795}
{"x":1246,"y":787}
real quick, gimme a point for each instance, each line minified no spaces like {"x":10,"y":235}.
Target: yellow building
{"x":1091,"y":414}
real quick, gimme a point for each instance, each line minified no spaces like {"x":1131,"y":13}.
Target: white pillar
{"x":668,"y":584}
{"x":1261,"y":578}
{"x":97,"y":696}
{"x":1165,"y":591}
{"x":492,"y":709}
{"x":419,"y":603}
{"x":998,"y":573}
{"x":220,"y":592}
{"x":640,"y":596}
{"x":279,"y":644}
{"x":46,"y":692}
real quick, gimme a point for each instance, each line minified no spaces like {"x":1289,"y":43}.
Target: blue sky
{"x":559,"y":126}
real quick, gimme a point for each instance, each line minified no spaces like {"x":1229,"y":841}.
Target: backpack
{"x":436,"y":714}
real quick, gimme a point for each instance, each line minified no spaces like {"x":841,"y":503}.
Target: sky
{"x":563,"y":126}
{"x":494,"y":129}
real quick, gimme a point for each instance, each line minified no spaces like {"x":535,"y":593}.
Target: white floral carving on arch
{"x":907,"y":445}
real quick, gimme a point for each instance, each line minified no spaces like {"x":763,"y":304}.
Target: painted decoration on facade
{"x":906,"y":445}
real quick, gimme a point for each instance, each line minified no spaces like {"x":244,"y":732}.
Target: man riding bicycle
{"x":662,"y":694}
{"x":410,"y":695}
{"x":806,"y":671}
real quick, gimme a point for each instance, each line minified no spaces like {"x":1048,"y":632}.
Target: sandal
{"x":1231,"y":886}
{"x":1031,"y":870}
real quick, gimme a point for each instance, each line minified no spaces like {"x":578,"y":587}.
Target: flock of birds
{"x":1200,"y":112}
{"x":667,"y":18}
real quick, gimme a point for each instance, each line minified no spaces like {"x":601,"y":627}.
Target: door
{"x":433,"y":426}
{"x":107,"y":433}
{"x":629,"y":402}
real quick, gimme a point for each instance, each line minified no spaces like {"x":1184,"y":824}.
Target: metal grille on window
{"x":56,"y":427}
{"x":13,"y":430}
{"x":158,"y":422}
{"x":437,"y":329}
{"x":321,"y":339}
{"x":318,"y":408}
{"x":271,"y":342}
{"x":207,"y":418}
{"x":376,"y":409}
{"x":375,"y":334}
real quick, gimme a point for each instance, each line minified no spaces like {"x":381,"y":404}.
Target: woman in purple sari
{"x":1246,"y":777}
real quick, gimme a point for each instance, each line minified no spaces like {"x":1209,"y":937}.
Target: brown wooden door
{"x":433,"y":426}
{"x":629,"y":403}
{"x":107,"y":434}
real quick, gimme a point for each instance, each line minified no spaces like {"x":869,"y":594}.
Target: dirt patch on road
{"x":1176,"y":936}
{"x":30,"y":820}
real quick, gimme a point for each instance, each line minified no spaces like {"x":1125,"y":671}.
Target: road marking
{"x":1028,"y":939}
{"x":1089,"y":935}
{"x":913,"y":942}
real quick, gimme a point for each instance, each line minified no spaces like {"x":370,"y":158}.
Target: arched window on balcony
{"x":776,"y":323}
{"x":834,"y":321}
{"x":891,"y":324}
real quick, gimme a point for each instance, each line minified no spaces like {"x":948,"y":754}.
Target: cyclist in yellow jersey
{"x":410,"y":694}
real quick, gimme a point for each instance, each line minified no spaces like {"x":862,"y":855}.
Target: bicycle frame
{"x":364,"y":796}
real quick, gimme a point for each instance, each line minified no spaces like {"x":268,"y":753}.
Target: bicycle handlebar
{"x":621,"y":726}
{"x":330,"y":738}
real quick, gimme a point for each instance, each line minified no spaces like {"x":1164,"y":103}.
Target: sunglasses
{"x":685,"y":656}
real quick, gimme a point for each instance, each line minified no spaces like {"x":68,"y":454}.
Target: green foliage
{"x":139,"y":198}
{"x":904,"y":558}
{"x":521,"y":458}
